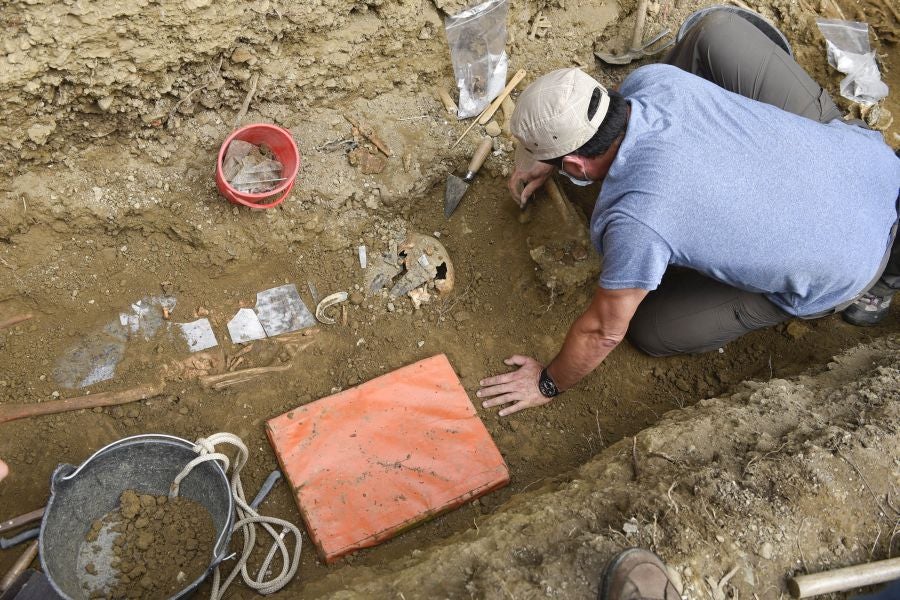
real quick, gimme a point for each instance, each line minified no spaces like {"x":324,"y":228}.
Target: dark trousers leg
{"x":732,"y":53}
{"x":690,"y":312}
{"x":890,"y":278}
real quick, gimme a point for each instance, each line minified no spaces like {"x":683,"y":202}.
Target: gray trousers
{"x":690,"y":312}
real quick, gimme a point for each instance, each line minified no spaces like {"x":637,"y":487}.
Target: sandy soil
{"x":107,"y":145}
{"x":737,"y":493}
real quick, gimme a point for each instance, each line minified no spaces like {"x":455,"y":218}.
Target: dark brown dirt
{"x":163,"y":544}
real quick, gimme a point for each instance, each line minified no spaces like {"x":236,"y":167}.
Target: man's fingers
{"x":4,"y":470}
{"x":520,"y":405}
{"x":498,"y":379}
{"x":496,"y":390}
{"x":516,"y":360}
{"x":530,"y":189}
{"x":505,"y":399}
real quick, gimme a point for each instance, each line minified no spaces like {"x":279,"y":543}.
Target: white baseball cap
{"x":551,"y":116}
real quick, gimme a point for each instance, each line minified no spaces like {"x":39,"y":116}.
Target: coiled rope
{"x":246,"y":523}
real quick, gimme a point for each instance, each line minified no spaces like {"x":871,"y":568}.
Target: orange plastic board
{"x":374,"y":460}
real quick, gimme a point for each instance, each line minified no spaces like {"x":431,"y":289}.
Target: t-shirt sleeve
{"x":634,"y":256}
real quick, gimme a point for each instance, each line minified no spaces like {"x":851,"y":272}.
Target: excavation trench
{"x":108,"y":202}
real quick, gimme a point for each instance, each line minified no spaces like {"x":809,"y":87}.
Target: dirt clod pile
{"x":161,"y":545}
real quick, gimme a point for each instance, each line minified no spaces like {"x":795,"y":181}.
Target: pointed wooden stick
{"x":15,"y":320}
{"x":11,"y":412}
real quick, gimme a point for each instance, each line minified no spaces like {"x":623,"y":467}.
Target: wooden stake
{"x":15,"y":320}
{"x":491,"y":108}
{"x":519,"y":76}
{"x":841,"y":580}
{"x":11,"y":412}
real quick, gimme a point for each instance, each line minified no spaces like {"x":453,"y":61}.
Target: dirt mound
{"x":782,"y":477}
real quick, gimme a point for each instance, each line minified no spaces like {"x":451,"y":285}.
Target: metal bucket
{"x":145,"y":463}
{"x":756,"y":19}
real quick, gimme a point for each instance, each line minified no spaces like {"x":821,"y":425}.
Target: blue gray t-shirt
{"x":744,"y":192}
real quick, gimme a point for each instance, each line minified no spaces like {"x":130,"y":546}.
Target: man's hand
{"x":524,"y":183}
{"x":519,"y":386}
{"x":4,"y":470}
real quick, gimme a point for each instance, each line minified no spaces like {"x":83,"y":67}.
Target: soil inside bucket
{"x":149,"y":547}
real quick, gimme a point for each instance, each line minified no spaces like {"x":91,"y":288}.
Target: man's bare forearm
{"x":594,"y":335}
{"x":581,"y":353}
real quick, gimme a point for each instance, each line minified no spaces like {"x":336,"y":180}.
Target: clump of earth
{"x":160,"y":545}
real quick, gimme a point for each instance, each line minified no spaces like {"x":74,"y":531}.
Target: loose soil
{"x":108,"y":145}
{"x":160,"y":546}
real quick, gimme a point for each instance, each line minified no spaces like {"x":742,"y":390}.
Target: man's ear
{"x":575,"y":160}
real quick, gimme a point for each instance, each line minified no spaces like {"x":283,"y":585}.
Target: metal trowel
{"x":456,"y":186}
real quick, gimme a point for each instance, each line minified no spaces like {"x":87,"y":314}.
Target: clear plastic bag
{"x":477,"y":38}
{"x":849,"y":52}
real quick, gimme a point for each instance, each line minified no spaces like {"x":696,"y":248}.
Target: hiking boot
{"x":636,"y":574}
{"x":871,"y":308}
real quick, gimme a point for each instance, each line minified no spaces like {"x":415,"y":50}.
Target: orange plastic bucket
{"x":285,"y":150}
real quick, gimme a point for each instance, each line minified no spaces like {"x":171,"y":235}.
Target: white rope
{"x":246,"y":523}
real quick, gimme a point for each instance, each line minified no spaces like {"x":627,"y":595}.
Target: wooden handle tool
{"x":21,"y":520}
{"x":19,"y":566}
{"x":481,"y":153}
{"x":456,"y":186}
{"x":486,"y":116}
{"x":841,"y":580}
{"x":491,"y":108}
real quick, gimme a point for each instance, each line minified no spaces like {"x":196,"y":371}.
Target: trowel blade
{"x":456,"y":188}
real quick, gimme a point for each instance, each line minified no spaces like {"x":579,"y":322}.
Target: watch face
{"x":547,"y":387}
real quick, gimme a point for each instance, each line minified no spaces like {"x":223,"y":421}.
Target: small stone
{"x":420,"y":343}
{"x":105,"y":103}
{"x":492,"y":129}
{"x":183,"y":410}
{"x":767,"y":551}
{"x":242,"y":54}
{"x":39,"y":133}
{"x":796,"y":330}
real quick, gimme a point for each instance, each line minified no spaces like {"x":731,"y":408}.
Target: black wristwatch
{"x":547,"y":386}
